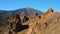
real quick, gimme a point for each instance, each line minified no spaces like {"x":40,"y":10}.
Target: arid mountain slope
{"x":5,"y":15}
{"x":46,"y":23}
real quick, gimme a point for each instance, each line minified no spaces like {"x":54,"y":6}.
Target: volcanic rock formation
{"x":46,"y":23}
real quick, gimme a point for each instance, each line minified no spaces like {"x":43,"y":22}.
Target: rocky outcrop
{"x":32,"y":24}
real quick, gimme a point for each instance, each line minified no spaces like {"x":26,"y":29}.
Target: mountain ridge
{"x":26,"y":10}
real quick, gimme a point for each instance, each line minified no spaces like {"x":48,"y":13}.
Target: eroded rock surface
{"x":33,"y":24}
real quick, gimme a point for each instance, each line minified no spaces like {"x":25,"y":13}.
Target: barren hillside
{"x":44,"y":23}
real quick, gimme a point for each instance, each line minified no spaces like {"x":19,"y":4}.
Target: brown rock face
{"x":33,"y":24}
{"x":50,"y":10}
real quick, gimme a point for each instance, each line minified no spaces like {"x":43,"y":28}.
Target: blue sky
{"x":42,"y":5}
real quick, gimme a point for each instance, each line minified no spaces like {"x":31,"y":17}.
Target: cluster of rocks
{"x":33,"y":23}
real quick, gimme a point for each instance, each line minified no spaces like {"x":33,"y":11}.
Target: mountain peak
{"x":50,"y":10}
{"x":30,"y":11}
{"x":27,"y":7}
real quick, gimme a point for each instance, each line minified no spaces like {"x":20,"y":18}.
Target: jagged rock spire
{"x":50,"y":10}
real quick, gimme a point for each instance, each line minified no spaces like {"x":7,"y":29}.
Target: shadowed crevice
{"x":20,"y":27}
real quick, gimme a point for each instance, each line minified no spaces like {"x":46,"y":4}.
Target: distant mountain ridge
{"x":28,"y":11}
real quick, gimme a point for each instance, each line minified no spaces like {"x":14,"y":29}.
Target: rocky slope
{"x":5,"y":15}
{"x":46,"y":23}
